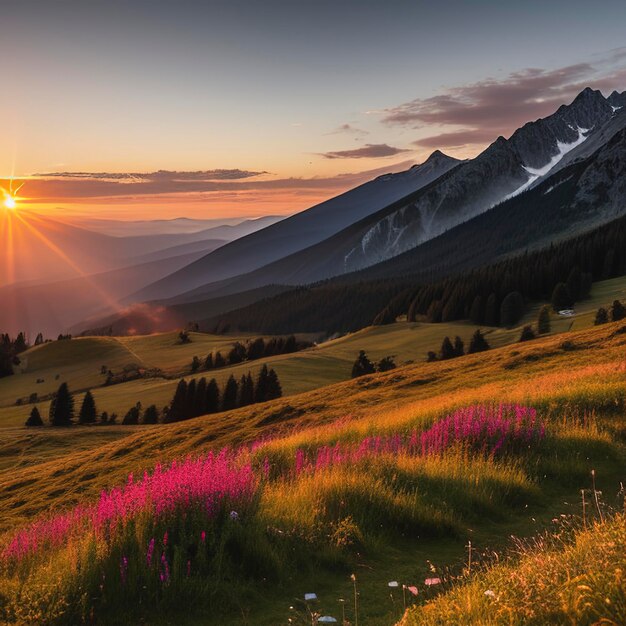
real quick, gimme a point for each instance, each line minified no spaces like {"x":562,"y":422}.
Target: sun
{"x":10,"y":203}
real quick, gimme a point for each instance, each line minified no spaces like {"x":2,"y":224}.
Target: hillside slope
{"x":299,"y":231}
{"x":382,"y":243}
{"x":384,"y":517}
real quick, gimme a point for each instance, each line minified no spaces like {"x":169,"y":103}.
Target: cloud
{"x":456,"y":139}
{"x":478,"y":112}
{"x":519,"y":97}
{"x":348,"y":129}
{"x":368,"y":151}
{"x":80,"y":186}
{"x":160,"y":175}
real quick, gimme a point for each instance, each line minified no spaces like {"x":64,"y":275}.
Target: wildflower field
{"x":388,"y":478}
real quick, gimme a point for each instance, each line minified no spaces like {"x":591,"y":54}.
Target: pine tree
{"x":219,"y":360}
{"x":229,"y":397}
{"x":212,"y":398}
{"x":586,"y":282}
{"x":151,"y":415}
{"x":88,"y":413}
{"x":290,"y":345}
{"x":237,"y":353}
{"x":431,"y":356}
{"x":261,"y":387}
{"x":476,"y":311}
{"x":478,"y":343}
{"x":459,"y":346}
{"x":362,"y":366}
{"x":574,"y":283}
{"x":274,"y":389}
{"x":195,"y":364}
{"x":560,"y":297}
{"x":132,"y":416}
{"x":434,"y":312}
{"x":62,"y":407}
{"x":190,"y":399}
{"x":256,"y":349}
{"x":176,"y":411}
{"x":104,"y":418}
{"x":386,"y":364}
{"x":527,"y":334}
{"x":511,"y":309}
{"x":246,"y":390}
{"x":20,"y":345}
{"x":543,"y":320}
{"x":491,"y":310}
{"x":199,"y":402}
{"x":35,"y":418}
{"x":447,"y":350}
{"x":39,"y":339}
{"x":602,"y":316}
{"x":618,"y":312}
{"x":208,"y":362}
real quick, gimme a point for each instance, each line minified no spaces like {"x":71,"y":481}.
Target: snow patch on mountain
{"x":562,"y":149}
{"x":553,"y":187}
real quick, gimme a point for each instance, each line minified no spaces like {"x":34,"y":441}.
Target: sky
{"x":211,"y":109}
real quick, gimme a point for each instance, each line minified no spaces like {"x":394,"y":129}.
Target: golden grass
{"x":553,"y":582}
{"x":78,"y":362}
{"x":403,"y":397}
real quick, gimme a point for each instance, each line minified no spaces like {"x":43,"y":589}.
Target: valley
{"x":313,"y":315}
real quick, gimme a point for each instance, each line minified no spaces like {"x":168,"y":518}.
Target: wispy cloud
{"x":478,"y":112}
{"x":348,"y":129}
{"x":456,"y":139}
{"x":369,"y":151}
{"x":83,"y":185}
{"x":160,"y":175}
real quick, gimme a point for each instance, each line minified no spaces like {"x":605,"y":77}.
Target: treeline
{"x":326,"y":306}
{"x":615,"y":313}
{"x":191,"y":399}
{"x":451,"y":350}
{"x":11,"y":348}
{"x":9,"y":351}
{"x":488,"y":295}
{"x":250,"y":351}
{"x":203,"y":397}
{"x":363,"y":366}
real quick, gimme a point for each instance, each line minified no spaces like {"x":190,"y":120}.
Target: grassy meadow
{"x":79,"y":362}
{"x":324,"y":483}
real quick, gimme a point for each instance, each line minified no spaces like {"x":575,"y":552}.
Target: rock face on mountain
{"x":602,"y":186}
{"x":617,"y":100}
{"x":301,"y":230}
{"x":507,"y":167}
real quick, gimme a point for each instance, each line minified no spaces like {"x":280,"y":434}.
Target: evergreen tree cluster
{"x":9,"y":351}
{"x":251,"y":351}
{"x":363,"y":366}
{"x":201,"y":397}
{"x":451,"y":350}
{"x":615,"y":313}
{"x":62,"y":412}
{"x":488,"y":295}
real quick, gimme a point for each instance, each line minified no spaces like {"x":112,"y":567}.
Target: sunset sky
{"x":245,"y":108}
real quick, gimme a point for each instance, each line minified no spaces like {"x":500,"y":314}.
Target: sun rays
{"x":9,"y":196}
{"x":22,"y":230}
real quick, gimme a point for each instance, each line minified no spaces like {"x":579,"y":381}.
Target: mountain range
{"x":551,"y":179}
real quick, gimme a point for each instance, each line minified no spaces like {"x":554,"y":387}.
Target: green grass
{"x":44,"y":469}
{"x":78,"y":362}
